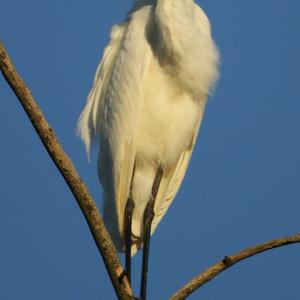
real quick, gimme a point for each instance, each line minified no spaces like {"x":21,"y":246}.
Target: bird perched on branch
{"x":145,"y":109}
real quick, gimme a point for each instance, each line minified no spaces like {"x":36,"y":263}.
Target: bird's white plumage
{"x":146,"y":106}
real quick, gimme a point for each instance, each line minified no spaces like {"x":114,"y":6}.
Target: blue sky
{"x":242,"y":186}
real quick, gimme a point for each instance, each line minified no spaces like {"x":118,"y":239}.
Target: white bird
{"x":145,"y":109}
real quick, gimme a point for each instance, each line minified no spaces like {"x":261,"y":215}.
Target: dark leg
{"x":128,"y":229}
{"x":128,"y":242}
{"x":148,"y":217}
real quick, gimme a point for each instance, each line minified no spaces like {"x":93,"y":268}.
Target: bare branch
{"x":68,"y":171}
{"x":228,"y":262}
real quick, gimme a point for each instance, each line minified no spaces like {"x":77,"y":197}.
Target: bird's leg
{"x":148,"y":217}
{"x":128,"y":229}
{"x":128,"y":234}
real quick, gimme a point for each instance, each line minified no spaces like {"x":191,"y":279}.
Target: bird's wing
{"x":173,"y":179}
{"x":88,"y":120}
{"x":122,"y":110}
{"x":113,"y":111}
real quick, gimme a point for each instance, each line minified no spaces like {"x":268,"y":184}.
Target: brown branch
{"x":68,"y":171}
{"x":228,"y":262}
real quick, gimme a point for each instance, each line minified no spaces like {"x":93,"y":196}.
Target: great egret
{"x":145,"y":108}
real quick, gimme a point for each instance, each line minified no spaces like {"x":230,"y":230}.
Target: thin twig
{"x":228,"y":262}
{"x":68,"y":171}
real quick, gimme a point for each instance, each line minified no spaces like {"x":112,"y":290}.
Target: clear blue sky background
{"x":242,"y":186}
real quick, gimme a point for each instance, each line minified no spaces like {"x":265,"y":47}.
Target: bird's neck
{"x":166,"y":4}
{"x":172,"y":9}
{"x":175,"y":3}
{"x":174,"y":16}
